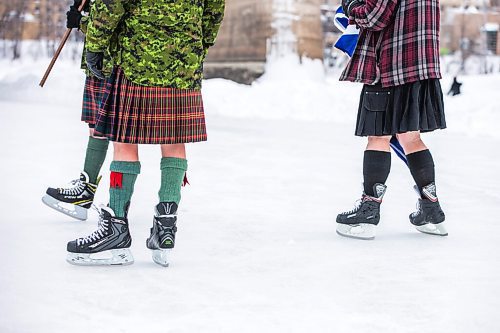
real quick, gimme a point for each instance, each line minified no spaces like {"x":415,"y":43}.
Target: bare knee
{"x":126,"y":152}
{"x":381,"y":143}
{"x":175,"y":150}
{"x":411,"y":142}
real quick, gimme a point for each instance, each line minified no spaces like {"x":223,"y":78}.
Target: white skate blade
{"x":433,"y":229}
{"x":364,"y":231}
{"x":161,"y":257}
{"x":105,"y":258}
{"x":74,"y":211}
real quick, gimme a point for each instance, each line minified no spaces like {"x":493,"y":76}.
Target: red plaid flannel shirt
{"x":398,"y":42}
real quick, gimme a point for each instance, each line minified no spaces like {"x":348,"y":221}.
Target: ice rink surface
{"x":256,"y":249}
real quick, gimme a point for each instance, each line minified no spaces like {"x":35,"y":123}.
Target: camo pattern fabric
{"x":160,"y":42}
{"x":108,"y":59}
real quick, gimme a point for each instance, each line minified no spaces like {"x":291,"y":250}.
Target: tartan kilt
{"x":93,"y":94}
{"x":132,"y":113}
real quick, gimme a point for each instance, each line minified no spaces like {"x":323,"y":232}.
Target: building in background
{"x":254,"y":30}
{"x":470,"y":26}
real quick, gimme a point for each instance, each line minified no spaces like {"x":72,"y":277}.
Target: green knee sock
{"x":94,"y":158}
{"x":173,"y":171}
{"x":121,"y":186}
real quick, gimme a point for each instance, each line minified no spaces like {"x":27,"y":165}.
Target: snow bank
{"x":290,"y":89}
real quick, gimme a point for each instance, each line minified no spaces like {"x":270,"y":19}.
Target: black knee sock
{"x":422,"y":168}
{"x":376,"y":168}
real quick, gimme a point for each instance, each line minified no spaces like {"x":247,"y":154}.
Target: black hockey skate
{"x":162,"y":238}
{"x":429,"y":218}
{"x":75,"y":200}
{"x":361,"y":221}
{"x":108,"y":245}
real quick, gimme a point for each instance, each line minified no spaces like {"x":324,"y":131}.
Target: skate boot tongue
{"x":429,"y":192}
{"x":84,"y":177}
{"x":379,"y":190}
{"x":166,"y":209}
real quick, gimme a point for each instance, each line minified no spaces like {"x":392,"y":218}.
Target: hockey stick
{"x":59,"y":49}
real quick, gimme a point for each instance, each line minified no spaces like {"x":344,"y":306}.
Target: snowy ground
{"x":257,"y":249}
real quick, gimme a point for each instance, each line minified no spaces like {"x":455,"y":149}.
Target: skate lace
{"x":102,"y":228}
{"x":417,"y":206}
{"x":357,"y":204}
{"x":77,"y":187}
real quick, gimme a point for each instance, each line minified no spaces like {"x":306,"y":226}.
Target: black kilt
{"x":416,"y":106}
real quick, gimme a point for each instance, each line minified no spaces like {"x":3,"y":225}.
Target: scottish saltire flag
{"x":347,"y":42}
{"x":398,"y":149}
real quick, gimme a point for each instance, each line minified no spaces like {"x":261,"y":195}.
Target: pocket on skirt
{"x":376,"y":101}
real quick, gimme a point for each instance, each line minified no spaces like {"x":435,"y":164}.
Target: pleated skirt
{"x":93,"y":94}
{"x":416,"y":106}
{"x":132,"y":113}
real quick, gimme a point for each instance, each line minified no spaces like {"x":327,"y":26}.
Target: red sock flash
{"x":116,"y":179}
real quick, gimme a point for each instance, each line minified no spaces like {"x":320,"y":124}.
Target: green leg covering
{"x":173,"y":171}
{"x":121,"y":187}
{"x":94,"y":158}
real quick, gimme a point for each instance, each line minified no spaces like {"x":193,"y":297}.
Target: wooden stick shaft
{"x":59,"y":49}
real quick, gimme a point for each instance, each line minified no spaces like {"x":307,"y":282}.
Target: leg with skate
{"x":162,"y":238}
{"x":429,"y":217}
{"x":74,"y":200}
{"x":361,"y":221}
{"x":173,"y":168}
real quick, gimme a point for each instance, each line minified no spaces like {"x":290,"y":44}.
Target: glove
{"x":86,"y":8}
{"x":348,"y":5}
{"x":73,"y":18}
{"x":94,"y":62}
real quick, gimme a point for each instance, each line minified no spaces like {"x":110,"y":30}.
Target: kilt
{"x":92,"y":96}
{"x":416,"y":106}
{"x":132,"y":113}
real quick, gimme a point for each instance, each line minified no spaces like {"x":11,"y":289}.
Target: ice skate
{"x":162,"y":238}
{"x":361,"y":221}
{"x":429,"y":217}
{"x":74,"y":200}
{"x":108,"y":245}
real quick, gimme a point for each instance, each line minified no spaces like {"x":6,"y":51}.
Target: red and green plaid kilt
{"x":132,"y":113}
{"x":92,"y":96}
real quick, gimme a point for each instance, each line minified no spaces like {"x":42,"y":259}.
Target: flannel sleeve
{"x":213,"y":13}
{"x":105,"y":16}
{"x":374,"y":14}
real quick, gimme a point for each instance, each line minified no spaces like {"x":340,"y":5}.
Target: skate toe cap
{"x":52,"y":192}
{"x":71,"y":246}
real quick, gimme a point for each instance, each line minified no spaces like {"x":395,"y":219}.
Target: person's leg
{"x":124,"y":170}
{"x":419,"y":157}
{"x":76,"y":199}
{"x":112,"y":235}
{"x":173,"y":170}
{"x":97,"y":149}
{"x":429,"y":217}
{"x":361,"y":221}
{"x":376,"y":163}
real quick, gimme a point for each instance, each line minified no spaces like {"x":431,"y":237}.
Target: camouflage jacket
{"x":160,"y":42}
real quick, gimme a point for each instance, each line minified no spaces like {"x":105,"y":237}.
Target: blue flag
{"x":347,"y":42}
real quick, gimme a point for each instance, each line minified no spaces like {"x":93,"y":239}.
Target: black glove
{"x":86,"y":8}
{"x":348,"y":5}
{"x":73,"y":18}
{"x":94,"y":63}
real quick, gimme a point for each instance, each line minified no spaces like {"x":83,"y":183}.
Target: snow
{"x":257,"y":249}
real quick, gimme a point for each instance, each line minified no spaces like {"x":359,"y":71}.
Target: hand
{"x":73,"y":18}
{"x":348,"y":5}
{"x":86,"y":8}
{"x":94,"y":63}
